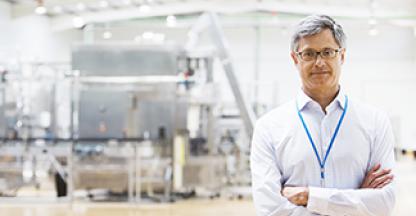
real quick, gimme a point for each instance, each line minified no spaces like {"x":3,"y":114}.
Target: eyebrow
{"x":317,"y":50}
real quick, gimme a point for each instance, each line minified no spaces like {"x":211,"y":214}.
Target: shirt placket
{"x":325,"y":138}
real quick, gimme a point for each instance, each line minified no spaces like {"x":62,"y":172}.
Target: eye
{"x":309,"y":53}
{"x":328,"y":52}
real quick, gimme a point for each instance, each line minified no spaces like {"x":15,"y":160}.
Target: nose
{"x":319,"y":62}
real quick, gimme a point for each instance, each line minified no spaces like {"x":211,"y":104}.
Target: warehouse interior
{"x":147,"y":107}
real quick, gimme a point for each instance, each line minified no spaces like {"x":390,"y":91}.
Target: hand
{"x":296,"y":195}
{"x":376,"y":178}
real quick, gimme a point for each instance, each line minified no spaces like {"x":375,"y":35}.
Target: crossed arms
{"x":375,"y":196}
{"x":375,"y":179}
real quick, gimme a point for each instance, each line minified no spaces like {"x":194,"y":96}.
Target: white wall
{"x":36,"y":41}
{"x":30,"y":38}
{"x":6,"y":34}
{"x":381,"y":71}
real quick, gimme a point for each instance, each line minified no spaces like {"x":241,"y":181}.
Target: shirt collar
{"x":303,"y":99}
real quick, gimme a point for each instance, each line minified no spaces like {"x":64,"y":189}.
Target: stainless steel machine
{"x":134,"y":102}
{"x":31,"y":147}
{"x":130,"y":121}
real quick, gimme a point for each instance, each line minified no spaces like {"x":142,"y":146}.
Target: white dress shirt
{"x":281,"y":155}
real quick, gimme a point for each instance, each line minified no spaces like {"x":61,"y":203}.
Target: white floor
{"x":406,"y":187}
{"x":405,"y":204}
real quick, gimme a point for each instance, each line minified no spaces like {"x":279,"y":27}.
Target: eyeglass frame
{"x":319,"y":53}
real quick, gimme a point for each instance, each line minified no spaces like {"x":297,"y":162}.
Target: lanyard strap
{"x":322,"y":163}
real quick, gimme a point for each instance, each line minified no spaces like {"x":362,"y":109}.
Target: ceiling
{"x":63,"y":12}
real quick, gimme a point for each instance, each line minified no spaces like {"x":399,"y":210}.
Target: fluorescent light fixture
{"x":41,"y":10}
{"x":78,"y":22}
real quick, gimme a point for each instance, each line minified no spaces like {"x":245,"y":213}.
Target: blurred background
{"x":146,"y":107}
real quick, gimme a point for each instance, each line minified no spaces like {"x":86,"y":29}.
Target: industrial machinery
{"x":132,"y":104}
{"x":130,"y":122}
{"x":30,"y":150}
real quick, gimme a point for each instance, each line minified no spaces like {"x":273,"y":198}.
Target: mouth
{"x":320,"y":73}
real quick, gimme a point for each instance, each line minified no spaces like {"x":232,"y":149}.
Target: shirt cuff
{"x":318,"y":200}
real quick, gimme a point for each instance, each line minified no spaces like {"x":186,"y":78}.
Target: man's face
{"x":320,"y":73}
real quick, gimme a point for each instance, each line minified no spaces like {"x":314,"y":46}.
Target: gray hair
{"x":314,"y":24}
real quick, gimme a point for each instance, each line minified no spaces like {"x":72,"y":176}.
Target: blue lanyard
{"x":322,"y":163}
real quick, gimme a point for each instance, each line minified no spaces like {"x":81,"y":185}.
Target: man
{"x":322,"y":153}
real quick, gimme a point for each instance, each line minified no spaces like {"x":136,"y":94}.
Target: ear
{"x":342,"y":56}
{"x":294,"y":57}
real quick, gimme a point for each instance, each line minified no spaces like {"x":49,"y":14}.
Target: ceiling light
{"x":81,"y":6}
{"x":104,"y":4}
{"x":372,"y":21}
{"x":127,"y":2}
{"x":41,"y":10}
{"x":171,"y":21}
{"x":144,"y":8}
{"x":78,"y":22}
{"x":107,"y":35}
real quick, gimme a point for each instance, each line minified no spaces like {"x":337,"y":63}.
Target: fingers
{"x":375,"y":168}
{"x":378,"y":177}
{"x":381,"y":173}
{"x":370,"y":176}
{"x":297,"y":200}
{"x":383,"y":181}
{"x":296,"y":195}
{"x":288,"y":192}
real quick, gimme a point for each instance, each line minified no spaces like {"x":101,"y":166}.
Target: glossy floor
{"x":406,"y":190}
{"x":187,"y":208}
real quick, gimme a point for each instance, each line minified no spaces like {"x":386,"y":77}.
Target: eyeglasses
{"x":311,"y":55}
